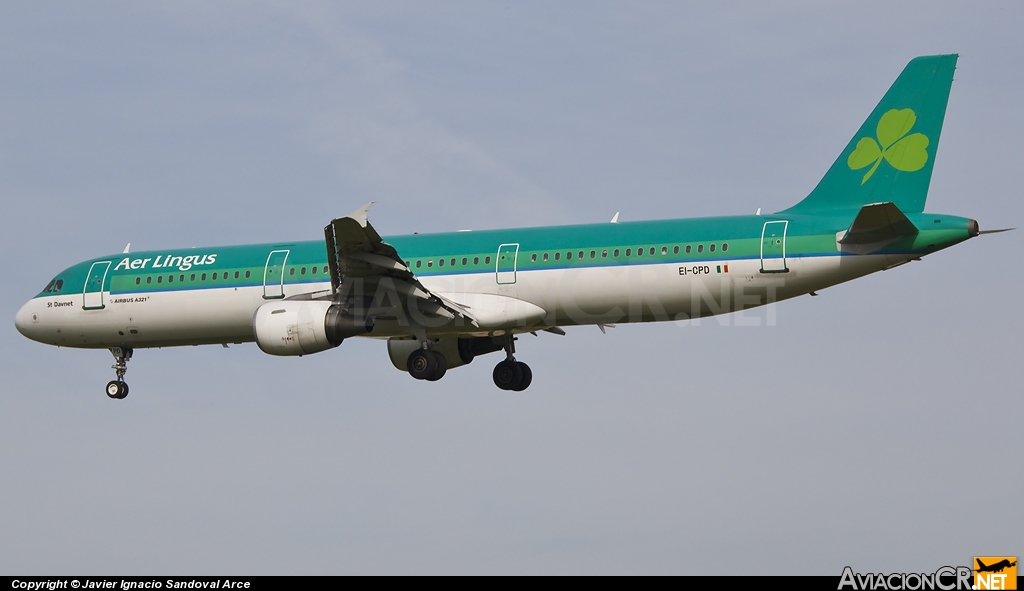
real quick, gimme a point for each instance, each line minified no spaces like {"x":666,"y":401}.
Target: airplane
{"x":440,"y":300}
{"x":994,"y":568}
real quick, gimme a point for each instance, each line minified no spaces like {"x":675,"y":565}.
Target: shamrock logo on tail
{"x":904,"y":152}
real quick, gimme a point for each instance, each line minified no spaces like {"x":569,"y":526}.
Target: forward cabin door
{"x":773,"y":247}
{"x":505,"y":265}
{"x":93,"y":292}
{"x":273,"y":275}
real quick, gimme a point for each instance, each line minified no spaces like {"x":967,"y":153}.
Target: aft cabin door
{"x":273,"y":275}
{"x":773,"y":247}
{"x":93,"y":292}
{"x":505,"y":269}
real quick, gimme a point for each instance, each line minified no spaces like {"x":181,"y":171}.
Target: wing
{"x":369,"y":275}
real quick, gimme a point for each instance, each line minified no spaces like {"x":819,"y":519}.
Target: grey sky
{"x":876,"y":426}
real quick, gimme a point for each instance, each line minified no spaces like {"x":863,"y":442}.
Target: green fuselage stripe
{"x":734,"y":238}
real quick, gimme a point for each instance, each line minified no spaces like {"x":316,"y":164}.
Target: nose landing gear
{"x":511,"y":374}
{"x":118,"y":389}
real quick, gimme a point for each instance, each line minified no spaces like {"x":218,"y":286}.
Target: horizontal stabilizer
{"x":878,"y":223}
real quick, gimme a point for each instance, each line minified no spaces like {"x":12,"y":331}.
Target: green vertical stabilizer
{"x":890,"y":158}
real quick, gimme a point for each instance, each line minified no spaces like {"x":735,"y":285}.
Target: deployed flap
{"x":877,"y":223}
{"x":356,"y":251}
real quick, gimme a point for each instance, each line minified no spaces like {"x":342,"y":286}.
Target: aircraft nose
{"x":25,"y":320}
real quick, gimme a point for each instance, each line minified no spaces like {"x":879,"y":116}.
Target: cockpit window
{"x":49,"y":286}
{"x":57,"y":286}
{"x":53,"y":286}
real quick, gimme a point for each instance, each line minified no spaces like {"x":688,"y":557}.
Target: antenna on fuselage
{"x":615,"y":218}
{"x":127,"y":247}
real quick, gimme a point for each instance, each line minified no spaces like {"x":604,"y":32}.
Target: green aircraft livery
{"x":440,"y":300}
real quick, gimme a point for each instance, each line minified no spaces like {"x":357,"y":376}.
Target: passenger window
{"x":629,"y":251}
{"x":314,"y":271}
{"x":440,"y":262}
{"x":664,"y":250}
{"x":181,"y":278}
{"x":170,"y":279}
{"x":700,"y":248}
{"x":193,"y":276}
{"x":419,"y":264}
{"x":138,"y":280}
{"x":225,"y":274}
{"x":247,"y":273}
{"x":545,"y":256}
{"x":688,"y":249}
{"x":675,"y":250}
{"x":652,"y":251}
{"x":430,"y":263}
{"x":533,"y":258}
{"x":325,"y":269}
{"x":581,"y":254}
{"x":712,"y":248}
{"x":290,"y":272}
{"x":149,"y":280}
{"x":237,"y":273}
{"x":725,"y":246}
{"x":604,"y":254}
{"x":302,"y":271}
{"x":616,"y":253}
{"x":593,"y":254}
{"x":465,"y":260}
{"x":476,"y":260}
{"x":203,"y":277}
{"x":159,"y":278}
{"x":557,"y":254}
{"x":568,"y":255}
{"x":453,"y":262}
{"x":487,"y":260}
{"x":639,"y":252}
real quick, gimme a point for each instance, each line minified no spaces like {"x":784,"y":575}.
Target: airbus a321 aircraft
{"x":442,"y":299}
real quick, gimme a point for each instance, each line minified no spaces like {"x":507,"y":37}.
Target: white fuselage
{"x":564,"y":297}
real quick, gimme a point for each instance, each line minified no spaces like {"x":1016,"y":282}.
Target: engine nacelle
{"x":304,"y":327}
{"x":456,"y":350}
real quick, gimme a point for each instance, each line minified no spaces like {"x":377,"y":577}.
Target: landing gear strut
{"x":511,"y":374}
{"x":118,"y":388}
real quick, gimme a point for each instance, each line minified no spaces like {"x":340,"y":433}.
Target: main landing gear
{"x":511,"y":374}
{"x":118,"y":389}
{"x":426,"y":364}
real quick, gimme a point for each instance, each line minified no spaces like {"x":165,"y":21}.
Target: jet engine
{"x":304,"y":327}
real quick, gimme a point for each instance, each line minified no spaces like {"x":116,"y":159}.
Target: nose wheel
{"x":118,"y":389}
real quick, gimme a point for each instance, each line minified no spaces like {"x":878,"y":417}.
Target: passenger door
{"x":505,"y":266}
{"x":92,"y":293}
{"x":273,"y":275}
{"x":773,"y":247}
